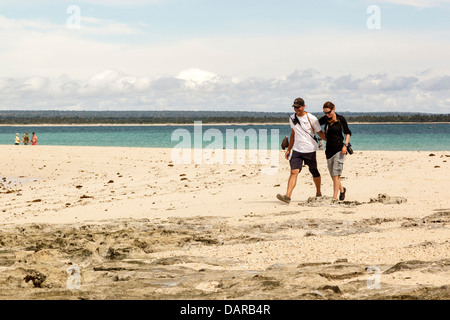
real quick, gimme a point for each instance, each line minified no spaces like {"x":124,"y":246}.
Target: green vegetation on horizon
{"x":188,"y":117}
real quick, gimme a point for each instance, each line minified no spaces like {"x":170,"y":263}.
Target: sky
{"x":217,"y":55}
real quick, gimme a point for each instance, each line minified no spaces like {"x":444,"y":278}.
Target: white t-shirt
{"x":304,"y":141}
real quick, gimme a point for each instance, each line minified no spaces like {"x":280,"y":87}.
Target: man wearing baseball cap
{"x":303,"y":146}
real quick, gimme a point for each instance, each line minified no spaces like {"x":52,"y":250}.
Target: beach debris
{"x":325,"y":201}
{"x":116,"y":253}
{"x":78,"y":187}
{"x":386,"y":199}
{"x":36,"y":277}
{"x":8,"y":191}
{"x":86,"y":197}
{"x":111,"y":181}
{"x":432,"y":155}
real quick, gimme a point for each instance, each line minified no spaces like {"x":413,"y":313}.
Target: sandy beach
{"x":130,"y":223}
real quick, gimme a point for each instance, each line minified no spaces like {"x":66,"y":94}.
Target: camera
{"x":349,"y":149}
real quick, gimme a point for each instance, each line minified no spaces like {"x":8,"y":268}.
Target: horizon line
{"x":217,"y":111}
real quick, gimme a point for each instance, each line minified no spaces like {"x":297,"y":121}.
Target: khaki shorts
{"x":336,"y":164}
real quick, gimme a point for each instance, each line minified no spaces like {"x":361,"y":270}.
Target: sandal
{"x":342,"y":195}
{"x":283,"y":198}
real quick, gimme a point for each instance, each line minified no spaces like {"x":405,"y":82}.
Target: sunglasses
{"x":328,"y":112}
{"x":295,"y":107}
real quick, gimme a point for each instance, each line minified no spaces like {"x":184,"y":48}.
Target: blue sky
{"x":225,"y":55}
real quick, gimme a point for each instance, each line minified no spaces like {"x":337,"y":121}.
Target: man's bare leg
{"x":292,"y":182}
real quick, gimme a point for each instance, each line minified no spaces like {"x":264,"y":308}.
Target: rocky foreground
{"x":143,"y":259}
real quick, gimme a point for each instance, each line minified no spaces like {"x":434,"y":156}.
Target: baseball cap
{"x":299,"y":102}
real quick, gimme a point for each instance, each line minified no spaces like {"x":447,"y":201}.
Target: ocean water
{"x":401,"y":137}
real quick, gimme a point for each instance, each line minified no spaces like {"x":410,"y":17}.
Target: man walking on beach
{"x":303,"y":146}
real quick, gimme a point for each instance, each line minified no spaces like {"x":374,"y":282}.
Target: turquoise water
{"x":401,"y":137}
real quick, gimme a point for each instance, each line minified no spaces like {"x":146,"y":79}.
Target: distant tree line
{"x":143,"y":120}
{"x":402,"y":118}
{"x":188,"y":117}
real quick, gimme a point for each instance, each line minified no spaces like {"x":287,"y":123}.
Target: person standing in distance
{"x":17,"y":140}
{"x":303,"y":147}
{"x":34,"y":139}
{"x":26,"y":139}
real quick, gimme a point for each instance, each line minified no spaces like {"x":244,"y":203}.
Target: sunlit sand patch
{"x":15,"y":181}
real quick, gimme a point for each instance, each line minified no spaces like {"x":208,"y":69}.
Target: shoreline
{"x":191,"y":124}
{"x":204,"y":149}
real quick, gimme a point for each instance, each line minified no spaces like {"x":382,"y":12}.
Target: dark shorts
{"x":298,"y":158}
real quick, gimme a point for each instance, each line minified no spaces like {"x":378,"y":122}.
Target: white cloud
{"x":421,"y":4}
{"x":436,"y":84}
{"x":114,"y":90}
{"x":194,"y":77}
{"x":375,"y":83}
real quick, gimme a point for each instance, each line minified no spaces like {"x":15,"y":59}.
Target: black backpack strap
{"x":297,"y":121}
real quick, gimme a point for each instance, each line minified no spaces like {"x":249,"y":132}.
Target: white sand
{"x":139,"y":183}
